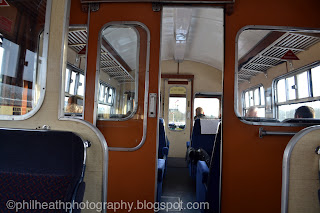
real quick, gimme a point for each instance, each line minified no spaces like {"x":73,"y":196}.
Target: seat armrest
{"x":188,"y":144}
{"x":165,"y":151}
{"x":203,"y":171}
{"x":161,"y":169}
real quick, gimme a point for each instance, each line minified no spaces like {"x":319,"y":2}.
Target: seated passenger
{"x":252,"y":112}
{"x":304,"y":112}
{"x":199,"y":113}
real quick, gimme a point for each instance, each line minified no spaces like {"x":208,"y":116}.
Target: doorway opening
{"x":191,"y":77}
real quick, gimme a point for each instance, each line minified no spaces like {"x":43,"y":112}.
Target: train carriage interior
{"x":168,"y":102}
{"x":191,"y":77}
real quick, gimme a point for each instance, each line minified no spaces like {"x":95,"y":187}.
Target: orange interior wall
{"x":131,"y":175}
{"x":252,"y":167}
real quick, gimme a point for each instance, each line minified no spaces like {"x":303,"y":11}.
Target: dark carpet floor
{"x":178,"y":186}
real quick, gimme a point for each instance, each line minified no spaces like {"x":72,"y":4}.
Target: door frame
{"x":183,"y":77}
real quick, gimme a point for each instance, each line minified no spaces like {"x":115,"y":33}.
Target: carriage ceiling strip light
{"x":182,"y":22}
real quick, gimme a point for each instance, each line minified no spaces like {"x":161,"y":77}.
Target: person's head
{"x":252,"y":112}
{"x":304,"y":112}
{"x":199,"y":111}
{"x":72,"y":99}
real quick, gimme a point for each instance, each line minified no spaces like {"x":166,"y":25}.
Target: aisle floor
{"x":178,"y":186}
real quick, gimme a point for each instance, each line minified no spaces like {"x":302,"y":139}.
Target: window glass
{"x":210,"y":106}
{"x":74,"y":96}
{"x":101,"y":93}
{"x":287,"y":111}
{"x":246,"y":96}
{"x":257,"y":102}
{"x":251,"y":98}
{"x":119,"y":70}
{"x":291,"y":87}
{"x":110,"y":95}
{"x":177,"y":113}
{"x":80,"y":90}
{"x":105,"y":105}
{"x":261,"y":112}
{"x":315,"y":73}
{"x":72,"y":82}
{"x":303,"y":85}
{"x":256,"y":97}
{"x":67,"y":81}
{"x":281,"y":88}
{"x":262,"y":96}
{"x":22,"y":56}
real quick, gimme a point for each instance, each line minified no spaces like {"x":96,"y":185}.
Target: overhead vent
{"x":113,"y":68}
{"x":271,"y":55}
{"x":77,"y":40}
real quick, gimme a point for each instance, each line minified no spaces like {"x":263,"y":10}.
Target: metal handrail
{"x":263,"y":132}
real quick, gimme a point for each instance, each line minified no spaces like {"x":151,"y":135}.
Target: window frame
{"x":78,"y":72}
{"x":217,"y":95}
{"x":137,"y":70}
{"x":42,"y":69}
{"x":307,"y":68}
{"x":177,"y":96}
{"x":237,"y":100}
{"x":106,"y":96}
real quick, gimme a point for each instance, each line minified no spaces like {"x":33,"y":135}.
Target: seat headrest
{"x":209,"y":126}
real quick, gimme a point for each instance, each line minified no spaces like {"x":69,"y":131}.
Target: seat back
{"x":213,"y":183}
{"x":204,"y":134}
{"x":40,"y":165}
{"x":300,"y":172}
{"x":162,"y":138}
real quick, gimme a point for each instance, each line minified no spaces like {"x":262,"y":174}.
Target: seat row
{"x":203,"y":157}
{"x":163,"y":151}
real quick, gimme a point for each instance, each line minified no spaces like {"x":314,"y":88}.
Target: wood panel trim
{"x":177,"y":76}
{"x":178,"y":82}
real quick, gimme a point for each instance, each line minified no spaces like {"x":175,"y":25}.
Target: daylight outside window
{"x":74,"y":91}
{"x":177,"y":108}
{"x":22,"y":57}
{"x":210,"y":106}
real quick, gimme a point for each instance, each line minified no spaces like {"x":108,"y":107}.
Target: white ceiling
{"x":248,"y":39}
{"x":124,"y":41}
{"x":205,"y":38}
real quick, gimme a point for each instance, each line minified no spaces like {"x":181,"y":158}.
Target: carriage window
{"x":119,"y":63}
{"x":285,"y":64}
{"x":74,"y":86}
{"x":177,"y":108}
{"x":105,"y":99}
{"x":254,"y":97}
{"x":315,"y":73}
{"x":300,"y":82}
{"x":22,"y":57}
{"x":210,"y":105}
{"x":74,"y":91}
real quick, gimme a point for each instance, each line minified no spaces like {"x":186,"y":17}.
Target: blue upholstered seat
{"x":41,"y":165}
{"x":163,"y":151}
{"x":161,"y":170}
{"x":208,"y":178}
{"x":201,"y":140}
